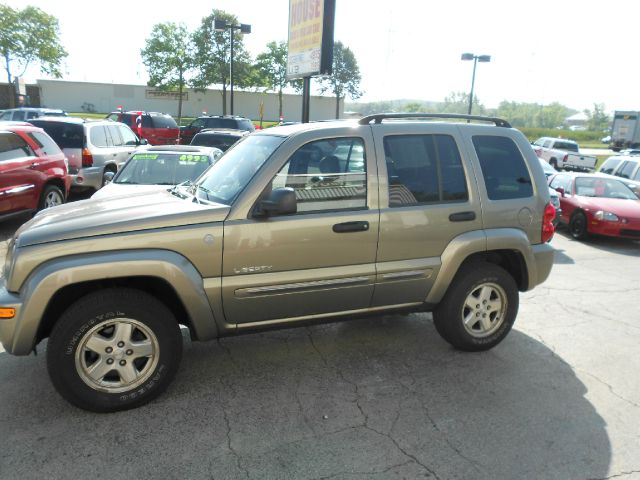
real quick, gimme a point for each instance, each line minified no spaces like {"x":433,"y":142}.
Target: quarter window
{"x":424,"y":169}
{"x":503,"y":168}
{"x":327,"y":175}
{"x":45,"y":143}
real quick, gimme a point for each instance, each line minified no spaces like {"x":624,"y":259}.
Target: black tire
{"x":578,"y":226}
{"x":449,"y":316}
{"x":51,"y":196}
{"x":554,"y":163}
{"x":144,"y":322}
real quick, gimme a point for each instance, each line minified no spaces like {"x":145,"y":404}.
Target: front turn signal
{"x":7,"y":312}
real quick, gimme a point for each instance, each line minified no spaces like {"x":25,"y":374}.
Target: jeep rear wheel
{"x":113,"y":350}
{"x":479,"y":308}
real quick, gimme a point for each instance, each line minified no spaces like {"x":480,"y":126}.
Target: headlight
{"x":606,"y":216}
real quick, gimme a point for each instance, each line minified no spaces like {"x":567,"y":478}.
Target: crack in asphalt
{"x":230,"y":446}
{"x":617,"y":475}
{"x":611,"y":389}
{"x":478,"y":468}
{"x":581,"y":370}
{"x":362,"y":412}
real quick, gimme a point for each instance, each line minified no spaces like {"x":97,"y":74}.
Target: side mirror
{"x":143,"y":141}
{"x":282,"y":201}
{"x":560,"y":190}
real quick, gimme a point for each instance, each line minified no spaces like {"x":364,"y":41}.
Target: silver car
{"x":95,"y":149}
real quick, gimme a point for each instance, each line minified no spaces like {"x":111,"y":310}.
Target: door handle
{"x":351,"y":227}
{"x":34,"y":165}
{"x":462,"y":217}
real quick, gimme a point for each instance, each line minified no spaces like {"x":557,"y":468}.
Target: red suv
{"x":156,"y":128}
{"x":33,"y":170}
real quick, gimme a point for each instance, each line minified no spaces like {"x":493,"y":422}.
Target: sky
{"x":574,"y":52}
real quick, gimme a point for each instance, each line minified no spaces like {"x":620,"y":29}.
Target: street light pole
{"x":221,"y":26}
{"x":476,"y":59}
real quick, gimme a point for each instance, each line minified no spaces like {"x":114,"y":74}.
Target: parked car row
{"x":43,"y":160}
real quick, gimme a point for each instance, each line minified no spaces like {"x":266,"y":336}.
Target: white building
{"x":106,"y":97}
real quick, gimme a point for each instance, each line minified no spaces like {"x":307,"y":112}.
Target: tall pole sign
{"x":310,"y":48}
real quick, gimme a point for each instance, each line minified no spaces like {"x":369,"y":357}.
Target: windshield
{"x":162,"y":168}
{"x":228,"y":177}
{"x":603,"y":188}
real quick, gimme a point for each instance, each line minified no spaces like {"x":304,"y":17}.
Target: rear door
{"x":19,"y":177}
{"x":427,"y":198}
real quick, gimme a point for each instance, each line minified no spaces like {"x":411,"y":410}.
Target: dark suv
{"x":156,"y":128}
{"x":214,"y":121}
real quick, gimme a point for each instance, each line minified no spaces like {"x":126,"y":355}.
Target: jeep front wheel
{"x":479,"y":308}
{"x":113,"y":350}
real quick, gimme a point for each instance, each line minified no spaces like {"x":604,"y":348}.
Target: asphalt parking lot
{"x":380,"y":398}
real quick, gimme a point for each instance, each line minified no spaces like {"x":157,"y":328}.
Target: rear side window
{"x":12,"y":147}
{"x":45,"y":143}
{"x":424,"y":169}
{"x":66,"y":135}
{"x":610,"y":165}
{"x":626,"y":170}
{"x":503,"y":168}
{"x":161,"y":121}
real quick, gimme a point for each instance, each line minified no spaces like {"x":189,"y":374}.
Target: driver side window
{"x":326,"y":175}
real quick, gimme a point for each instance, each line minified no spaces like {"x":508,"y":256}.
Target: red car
{"x":597,"y":204}
{"x":33,"y":170}
{"x":156,"y":128}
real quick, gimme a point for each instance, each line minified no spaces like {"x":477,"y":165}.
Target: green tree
{"x":29,"y":36}
{"x":458,"y":102}
{"x":168,"y":56}
{"x":213,"y":55}
{"x":413,"y":107}
{"x":598,"y":118}
{"x":345,"y":79}
{"x":272,"y":66}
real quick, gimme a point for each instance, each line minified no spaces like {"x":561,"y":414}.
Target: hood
{"x":90,"y":218}
{"x":621,"y":207}
{"x":118,"y":189}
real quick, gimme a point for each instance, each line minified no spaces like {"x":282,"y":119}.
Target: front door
{"x":318,"y":261}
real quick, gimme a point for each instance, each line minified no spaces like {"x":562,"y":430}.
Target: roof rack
{"x":378,"y":117}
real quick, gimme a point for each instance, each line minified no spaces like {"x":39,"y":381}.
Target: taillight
{"x":547,"y":222}
{"x":87,"y":158}
{"x":565,"y":158}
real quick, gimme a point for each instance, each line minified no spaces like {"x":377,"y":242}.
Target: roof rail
{"x":378,"y":117}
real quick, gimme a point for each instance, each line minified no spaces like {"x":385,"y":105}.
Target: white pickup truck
{"x":563,"y":154}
